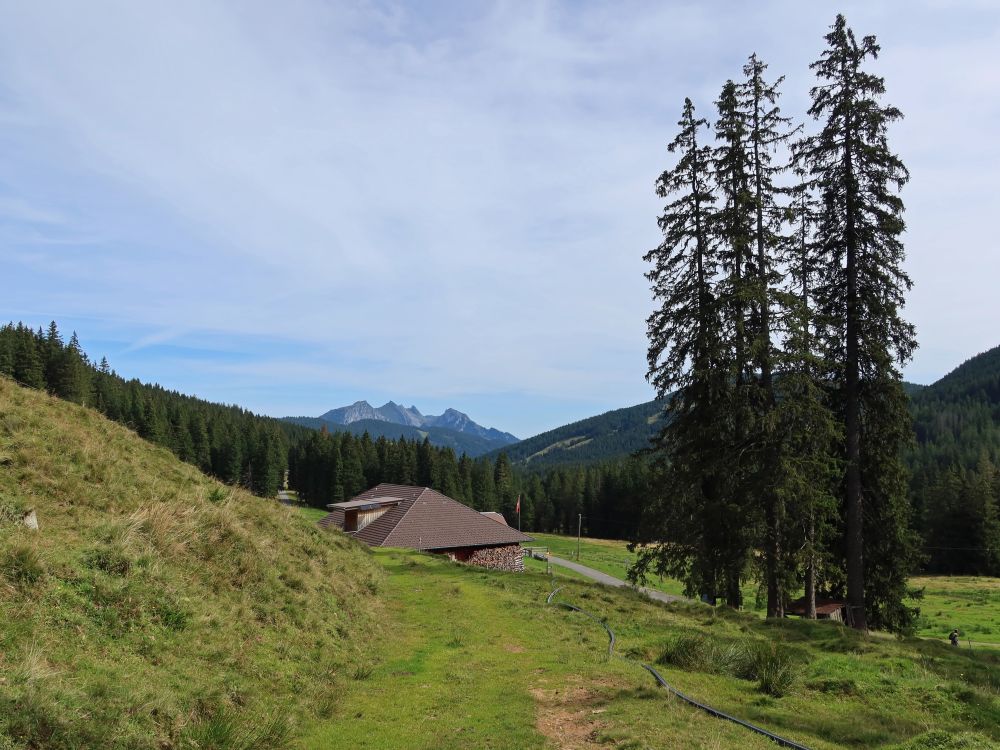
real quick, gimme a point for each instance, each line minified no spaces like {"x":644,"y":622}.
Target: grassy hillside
{"x":156,"y":608}
{"x":475,"y":659}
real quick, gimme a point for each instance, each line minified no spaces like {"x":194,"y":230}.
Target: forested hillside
{"x":228,"y":442}
{"x":583,"y":469}
{"x":955,"y":485}
{"x":612,"y":435}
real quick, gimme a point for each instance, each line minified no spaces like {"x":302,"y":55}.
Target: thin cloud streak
{"x":445,"y":203}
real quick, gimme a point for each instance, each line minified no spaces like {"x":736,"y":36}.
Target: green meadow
{"x":473,"y":658}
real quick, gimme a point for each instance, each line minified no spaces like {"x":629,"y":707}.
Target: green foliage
{"x":229,"y":730}
{"x":771,"y":666}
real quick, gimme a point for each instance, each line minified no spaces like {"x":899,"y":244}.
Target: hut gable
{"x":422,"y":518}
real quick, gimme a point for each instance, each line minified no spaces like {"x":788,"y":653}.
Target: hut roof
{"x":423,"y":518}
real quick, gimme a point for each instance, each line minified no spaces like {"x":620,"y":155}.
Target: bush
{"x":696,"y":652}
{"x":770,"y":664}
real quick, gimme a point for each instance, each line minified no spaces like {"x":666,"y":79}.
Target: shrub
{"x":692,"y":651}
{"x":770,"y":664}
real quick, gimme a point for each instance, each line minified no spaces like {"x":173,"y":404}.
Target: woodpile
{"x":508,"y":557}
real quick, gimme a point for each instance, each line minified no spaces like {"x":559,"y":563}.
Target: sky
{"x":293,"y":206}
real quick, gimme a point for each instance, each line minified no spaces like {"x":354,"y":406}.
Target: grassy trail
{"x":471,"y":658}
{"x":476,"y":660}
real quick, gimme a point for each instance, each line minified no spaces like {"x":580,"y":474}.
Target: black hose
{"x":611,"y":633}
{"x":717,"y":713}
{"x":674,"y":691}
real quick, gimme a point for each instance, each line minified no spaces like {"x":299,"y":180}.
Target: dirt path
{"x":609,"y":580}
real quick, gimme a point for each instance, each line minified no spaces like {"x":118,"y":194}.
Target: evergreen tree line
{"x":330,"y":467}
{"x":778,"y":331}
{"x":955,"y":485}
{"x":227,"y":442}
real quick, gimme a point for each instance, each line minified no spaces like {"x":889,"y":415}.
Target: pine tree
{"x":733,"y":224}
{"x":861,"y":291}
{"x":766,"y":131}
{"x":688,"y":522}
{"x":29,"y":368}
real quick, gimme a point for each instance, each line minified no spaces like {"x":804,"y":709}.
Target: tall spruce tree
{"x":733,"y":225}
{"x":767,"y":130}
{"x":687,"y":523}
{"x":860,"y":293}
{"x":807,"y":468}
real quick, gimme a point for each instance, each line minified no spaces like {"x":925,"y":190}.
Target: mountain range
{"x":969,"y":395}
{"x":453,"y":429}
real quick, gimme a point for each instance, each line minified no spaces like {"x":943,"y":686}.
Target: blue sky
{"x":295,"y":206}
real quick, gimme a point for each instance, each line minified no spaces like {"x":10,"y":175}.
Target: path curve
{"x":609,"y":580}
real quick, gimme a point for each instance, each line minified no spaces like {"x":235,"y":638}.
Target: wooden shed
{"x":826,"y":609}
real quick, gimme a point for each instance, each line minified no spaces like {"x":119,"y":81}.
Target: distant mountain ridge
{"x":453,"y":429}
{"x":451,"y":419}
{"x":612,"y":435}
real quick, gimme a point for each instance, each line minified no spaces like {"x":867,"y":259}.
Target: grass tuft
{"x":22,"y":566}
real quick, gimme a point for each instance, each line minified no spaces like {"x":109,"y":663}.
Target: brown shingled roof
{"x":426,"y":519}
{"x":498,"y":517}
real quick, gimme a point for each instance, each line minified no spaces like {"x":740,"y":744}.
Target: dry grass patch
{"x":569,"y":716}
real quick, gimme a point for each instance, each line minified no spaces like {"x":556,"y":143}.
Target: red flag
{"x":517,"y":509}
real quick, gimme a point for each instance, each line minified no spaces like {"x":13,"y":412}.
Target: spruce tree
{"x":860,"y":293}
{"x":29,"y":368}
{"x":688,"y":520}
{"x":766,"y":131}
{"x":733,"y":225}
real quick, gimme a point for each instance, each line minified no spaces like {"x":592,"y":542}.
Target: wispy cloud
{"x":433,"y":201}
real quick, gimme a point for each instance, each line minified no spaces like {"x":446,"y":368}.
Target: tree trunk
{"x":852,"y":405}
{"x":775,"y":606}
{"x":811,"y":569}
{"x":734,"y":594}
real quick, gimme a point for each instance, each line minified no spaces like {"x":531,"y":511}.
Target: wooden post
{"x":579,"y":525}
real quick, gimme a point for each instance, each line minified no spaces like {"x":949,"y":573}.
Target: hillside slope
{"x":610,"y":435}
{"x":957,"y":419}
{"x":154,"y":607}
{"x":619,"y":433}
